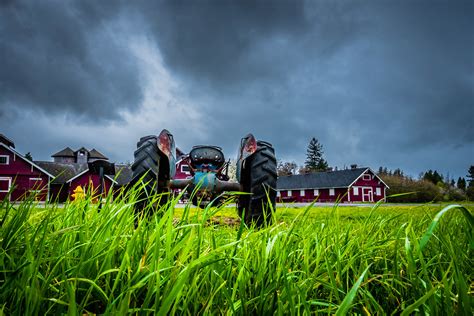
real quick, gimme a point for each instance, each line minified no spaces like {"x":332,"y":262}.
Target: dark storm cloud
{"x":397,"y":72}
{"x":226,"y":42}
{"x":59,"y":57}
{"x":378,"y":82}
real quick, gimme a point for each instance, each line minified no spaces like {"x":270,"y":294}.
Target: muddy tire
{"x":145,"y":168}
{"x":259,"y":178}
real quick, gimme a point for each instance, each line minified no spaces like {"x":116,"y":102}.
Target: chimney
{"x":354,"y":166}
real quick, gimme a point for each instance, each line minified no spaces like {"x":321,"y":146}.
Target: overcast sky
{"x":379,"y":83}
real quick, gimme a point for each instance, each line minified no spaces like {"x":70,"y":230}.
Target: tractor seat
{"x":210,"y":155}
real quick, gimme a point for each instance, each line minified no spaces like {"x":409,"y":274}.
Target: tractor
{"x":256,"y":170}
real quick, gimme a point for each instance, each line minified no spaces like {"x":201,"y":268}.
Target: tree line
{"x":430,"y":186}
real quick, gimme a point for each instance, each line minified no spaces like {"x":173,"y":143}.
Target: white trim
{"x":8,"y":160}
{"x":185,"y":172}
{"x":9,"y":179}
{"x":302,"y":193}
{"x":370,"y":193}
{"x":378,"y":191}
{"x":31,"y":163}
{"x":316,"y":192}
{"x":111,"y":179}
{"x":77,"y":175}
{"x":355,"y":190}
{"x":278,"y":194}
{"x":364,"y":176}
{"x":36,"y":179}
{"x":332,"y":192}
{"x":288,"y":193}
{"x":375,"y":175}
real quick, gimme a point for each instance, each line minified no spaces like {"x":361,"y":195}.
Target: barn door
{"x":367,"y":195}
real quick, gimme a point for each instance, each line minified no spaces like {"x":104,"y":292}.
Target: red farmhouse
{"x":20,"y":176}
{"x":351,"y":185}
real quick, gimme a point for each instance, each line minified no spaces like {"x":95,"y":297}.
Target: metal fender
{"x":166,"y":146}
{"x":248,"y":146}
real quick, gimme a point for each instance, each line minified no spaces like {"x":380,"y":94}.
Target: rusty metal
{"x":248,"y":146}
{"x":165,"y":143}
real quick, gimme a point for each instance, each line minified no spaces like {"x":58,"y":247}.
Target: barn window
{"x":356,"y":190}
{"x":301,"y":192}
{"x":331,"y":192}
{"x":185,"y":169}
{"x":5,"y":184}
{"x":278,"y":193}
{"x":289,"y":193}
{"x":367,"y":177}
{"x":4,"y":159}
{"x":316,"y":192}
{"x":35,"y":184}
{"x":378,"y":191}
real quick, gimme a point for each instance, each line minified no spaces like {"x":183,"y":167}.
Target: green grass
{"x":380,"y":260}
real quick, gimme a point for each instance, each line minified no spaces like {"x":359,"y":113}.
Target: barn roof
{"x":62,"y":172}
{"x":320,"y":180}
{"x":7,"y":141}
{"x":65,"y":172}
{"x":123,"y":174}
{"x":66,"y":152}
{"x":96,"y":154}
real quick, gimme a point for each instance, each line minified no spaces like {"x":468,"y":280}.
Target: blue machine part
{"x":205,"y":180}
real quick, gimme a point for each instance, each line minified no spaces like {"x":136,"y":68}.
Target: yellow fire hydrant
{"x":78,"y":193}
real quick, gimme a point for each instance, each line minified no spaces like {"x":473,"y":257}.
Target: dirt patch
{"x":224,"y":220}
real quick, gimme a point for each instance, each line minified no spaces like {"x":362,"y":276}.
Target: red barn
{"x":351,"y":185}
{"x":20,"y":176}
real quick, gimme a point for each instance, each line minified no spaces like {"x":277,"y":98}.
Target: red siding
{"x":367,"y":190}
{"x":23,"y":177}
{"x":84,"y":181}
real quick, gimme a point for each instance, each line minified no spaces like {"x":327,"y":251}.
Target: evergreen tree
{"x":433,"y":177}
{"x":28,"y":156}
{"x":314,"y":157}
{"x":470,"y":176}
{"x":461,"y":184}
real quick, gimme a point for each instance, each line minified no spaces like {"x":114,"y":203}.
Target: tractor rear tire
{"x":259,"y":179}
{"x":146,"y":168}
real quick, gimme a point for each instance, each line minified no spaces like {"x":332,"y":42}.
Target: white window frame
{"x":278,"y":194}
{"x":36,"y":179}
{"x":9,"y":183}
{"x":378,"y":191}
{"x":302,"y":193}
{"x":365,"y":175}
{"x":8,"y":160}
{"x":355,"y":190}
{"x":288,"y":193}
{"x":332,"y":192}
{"x":316,"y":192}
{"x":186,"y":172}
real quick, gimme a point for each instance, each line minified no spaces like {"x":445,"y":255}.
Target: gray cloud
{"x":378,"y":82}
{"x":57,"y":57}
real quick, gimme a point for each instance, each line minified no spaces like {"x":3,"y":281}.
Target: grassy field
{"x":379,"y":260}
